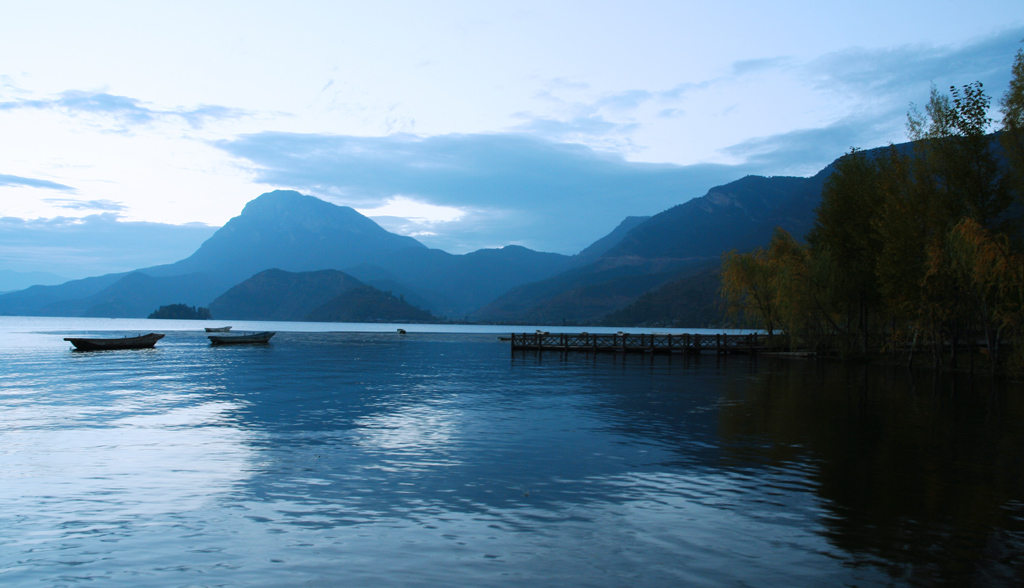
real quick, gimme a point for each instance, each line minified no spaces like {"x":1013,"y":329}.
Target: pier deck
{"x":685,"y":343}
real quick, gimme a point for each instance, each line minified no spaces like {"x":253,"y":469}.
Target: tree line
{"x":181,"y":312}
{"x":914,"y":251}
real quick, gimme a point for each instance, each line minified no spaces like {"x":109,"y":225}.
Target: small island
{"x":181,"y":311}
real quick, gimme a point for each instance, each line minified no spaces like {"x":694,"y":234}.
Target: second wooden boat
{"x":250,"y":339}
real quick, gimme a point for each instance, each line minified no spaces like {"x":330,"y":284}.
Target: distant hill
{"x":456,"y":285}
{"x":601,"y":246}
{"x":671,"y":245}
{"x":366,"y":304}
{"x":631,"y":274}
{"x":287,"y":230}
{"x":688,"y":301}
{"x":582,"y":295}
{"x":135,"y":295}
{"x":180,"y":312}
{"x":37,"y":300}
{"x":325,"y":295}
{"x":739,"y":215}
{"x":11,"y":280}
{"x":298,"y":233}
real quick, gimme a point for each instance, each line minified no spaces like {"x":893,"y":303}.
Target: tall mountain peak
{"x":294,"y":232}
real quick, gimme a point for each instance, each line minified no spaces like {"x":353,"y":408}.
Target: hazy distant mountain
{"x":293,"y":232}
{"x":455,"y":285}
{"x":366,"y":304}
{"x":287,"y":230}
{"x":31,"y":301}
{"x":602,"y":245}
{"x":326,"y":295}
{"x":135,"y":295}
{"x":688,"y":301}
{"x":11,"y":280}
{"x":580,"y":295}
{"x":740,"y":215}
{"x":668,"y":246}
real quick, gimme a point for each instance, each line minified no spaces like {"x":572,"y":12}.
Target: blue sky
{"x":465,"y":124}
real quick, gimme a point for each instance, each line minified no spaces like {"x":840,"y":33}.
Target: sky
{"x":464,"y":124}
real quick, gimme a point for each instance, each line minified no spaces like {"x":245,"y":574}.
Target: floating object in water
{"x":140,"y":342}
{"x":250,"y":339}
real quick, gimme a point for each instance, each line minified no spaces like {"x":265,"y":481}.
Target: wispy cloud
{"x":125,"y":111}
{"x":580,"y":128}
{"x":882,"y":84}
{"x":628,"y":100}
{"x":18,"y":181}
{"x":751,"y":66}
{"x":806,"y":151}
{"x":73,"y":204}
{"x":887,"y":74}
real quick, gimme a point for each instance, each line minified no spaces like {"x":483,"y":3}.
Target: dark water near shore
{"x":440,"y":459}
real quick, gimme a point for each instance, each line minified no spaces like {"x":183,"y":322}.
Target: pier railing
{"x":641,"y":342}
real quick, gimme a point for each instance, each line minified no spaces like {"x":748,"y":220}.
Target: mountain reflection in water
{"x":439,"y":459}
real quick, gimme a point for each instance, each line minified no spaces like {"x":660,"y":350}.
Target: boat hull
{"x":254,"y":339}
{"x":93,"y":344}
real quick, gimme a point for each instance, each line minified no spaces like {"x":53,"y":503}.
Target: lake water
{"x":335,"y":457}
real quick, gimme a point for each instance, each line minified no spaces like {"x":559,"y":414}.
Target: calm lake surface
{"x":334,"y":457}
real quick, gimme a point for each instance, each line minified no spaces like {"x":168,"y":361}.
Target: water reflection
{"x":920,"y":475}
{"x":439,"y":459}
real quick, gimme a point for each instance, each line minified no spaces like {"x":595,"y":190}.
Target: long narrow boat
{"x":140,"y":342}
{"x":217,"y":329}
{"x":251,"y":339}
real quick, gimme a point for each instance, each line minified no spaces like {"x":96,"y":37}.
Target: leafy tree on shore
{"x":1012,"y":107}
{"x":907,"y":248}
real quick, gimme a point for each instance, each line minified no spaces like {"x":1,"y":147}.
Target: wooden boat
{"x":250,"y":339}
{"x":140,"y":342}
{"x":217,"y":329}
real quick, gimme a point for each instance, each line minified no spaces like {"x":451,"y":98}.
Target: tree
{"x":769,"y":287}
{"x":955,"y":155}
{"x":1012,"y":107}
{"x":846,"y":230}
{"x":988,"y":281}
{"x":748,"y":287}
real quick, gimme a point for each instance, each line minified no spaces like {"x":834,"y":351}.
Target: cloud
{"x":124,"y":110}
{"x":592,"y":126}
{"x":749,"y":66}
{"x":882,"y":84}
{"x":513,"y":187}
{"x":18,"y":181}
{"x":806,"y":151}
{"x":414,"y":210}
{"x":73,"y":204}
{"x":94,"y":245}
{"x":628,"y":100}
{"x":899,"y":74}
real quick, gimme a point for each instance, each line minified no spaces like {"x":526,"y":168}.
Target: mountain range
{"x":636,"y":273}
{"x":324,"y":295}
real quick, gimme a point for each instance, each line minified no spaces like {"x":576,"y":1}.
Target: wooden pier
{"x":685,"y":343}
